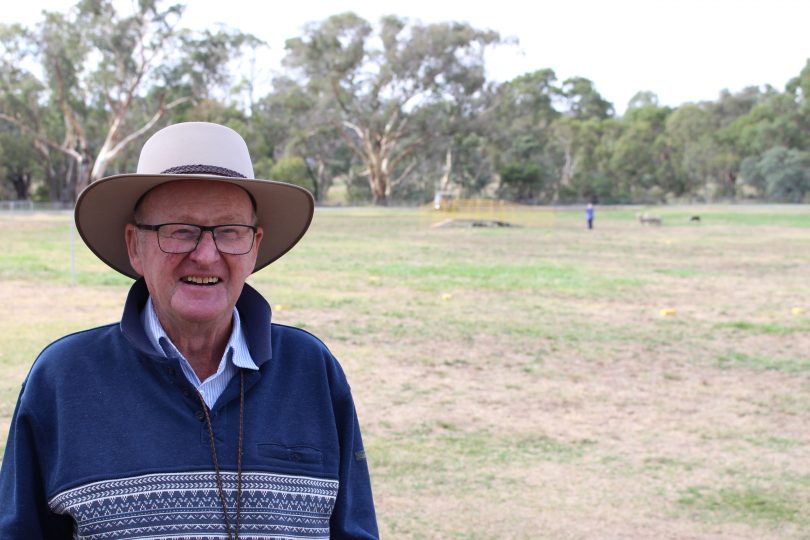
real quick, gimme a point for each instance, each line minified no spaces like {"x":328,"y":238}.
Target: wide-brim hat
{"x":190,"y":151}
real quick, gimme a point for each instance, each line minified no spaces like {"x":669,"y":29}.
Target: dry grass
{"x":523,"y":382}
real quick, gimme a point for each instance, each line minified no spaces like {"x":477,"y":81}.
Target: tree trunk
{"x":83,"y":170}
{"x":377,"y":163}
{"x":314,"y":176}
{"x":51,"y":177}
{"x":378,"y":180}
{"x":322,"y":181}
{"x":444,"y":183}
{"x":21,"y":182}
{"x":567,"y":172}
{"x":375,"y":152}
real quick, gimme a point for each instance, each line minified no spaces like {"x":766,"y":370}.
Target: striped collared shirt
{"x":237,"y":355}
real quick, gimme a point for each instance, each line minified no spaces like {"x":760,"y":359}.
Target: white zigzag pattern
{"x":186,"y":505}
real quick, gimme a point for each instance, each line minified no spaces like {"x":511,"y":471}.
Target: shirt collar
{"x":236,"y":349}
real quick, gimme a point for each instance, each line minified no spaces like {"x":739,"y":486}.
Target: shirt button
{"x":200,"y":415}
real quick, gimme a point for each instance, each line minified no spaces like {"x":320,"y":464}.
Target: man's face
{"x":200,"y":287}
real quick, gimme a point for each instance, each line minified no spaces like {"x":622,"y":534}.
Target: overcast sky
{"x":682,"y":50}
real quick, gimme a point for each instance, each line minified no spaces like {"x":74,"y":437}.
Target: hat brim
{"x":105,"y":207}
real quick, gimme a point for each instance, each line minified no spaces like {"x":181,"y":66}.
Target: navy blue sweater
{"x":108,"y":440}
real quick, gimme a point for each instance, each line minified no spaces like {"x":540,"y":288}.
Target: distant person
{"x":195,"y":416}
{"x":589,"y":212}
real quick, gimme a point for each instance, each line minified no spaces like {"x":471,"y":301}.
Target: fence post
{"x":72,"y":252}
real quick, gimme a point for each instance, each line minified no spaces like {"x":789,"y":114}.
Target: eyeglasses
{"x":184,"y":238}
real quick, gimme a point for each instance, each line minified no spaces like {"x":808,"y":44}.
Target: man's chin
{"x":203,"y":310}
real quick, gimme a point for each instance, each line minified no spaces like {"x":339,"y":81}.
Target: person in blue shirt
{"x":196,"y":415}
{"x":589,"y":211}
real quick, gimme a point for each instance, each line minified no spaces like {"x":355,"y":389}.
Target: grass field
{"x":541,"y":381}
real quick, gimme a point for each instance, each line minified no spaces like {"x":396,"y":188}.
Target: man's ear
{"x":133,"y":249}
{"x":258,"y":239}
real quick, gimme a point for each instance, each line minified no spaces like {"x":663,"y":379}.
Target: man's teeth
{"x":201,"y":280}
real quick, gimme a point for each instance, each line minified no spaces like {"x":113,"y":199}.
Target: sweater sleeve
{"x":353,"y":516}
{"x":25,"y":513}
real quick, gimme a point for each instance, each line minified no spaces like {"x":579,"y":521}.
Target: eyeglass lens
{"x":183,"y":238}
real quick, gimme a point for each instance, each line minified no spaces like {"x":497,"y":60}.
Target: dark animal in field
{"x":694,"y":219}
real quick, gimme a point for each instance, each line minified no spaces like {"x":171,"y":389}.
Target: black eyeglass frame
{"x":203,"y":229}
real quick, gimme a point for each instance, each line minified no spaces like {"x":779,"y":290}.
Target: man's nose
{"x":206,"y":248}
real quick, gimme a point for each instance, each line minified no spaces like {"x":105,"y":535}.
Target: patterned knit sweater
{"x":108,"y":440}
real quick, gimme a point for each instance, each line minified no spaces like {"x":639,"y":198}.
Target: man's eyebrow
{"x":214,"y":220}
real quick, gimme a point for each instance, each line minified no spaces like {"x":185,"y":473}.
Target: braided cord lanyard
{"x":235,"y":535}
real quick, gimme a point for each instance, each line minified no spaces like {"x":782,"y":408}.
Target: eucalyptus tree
{"x":23,"y":100}
{"x":640,"y":163}
{"x":582,"y":110}
{"x":458,"y":159}
{"x":643,"y":98}
{"x":757,"y":120}
{"x":730,"y":106}
{"x":19,"y":164}
{"x":799,"y":89}
{"x":298,"y":127}
{"x":367,"y":85}
{"x":581,"y":100}
{"x":521,"y":115}
{"x":110,"y":77}
{"x":775,"y":121}
{"x":783,"y":174}
{"x":690,"y":137}
{"x":583,"y":150}
{"x":520,"y":121}
{"x":468,"y":161}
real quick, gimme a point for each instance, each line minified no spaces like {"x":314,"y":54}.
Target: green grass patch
{"x":744,"y":215}
{"x":775,"y":443}
{"x":421,"y":455}
{"x":748,"y":503}
{"x":762,"y":363}
{"x":534,"y":275}
{"x":800,"y":217}
{"x":677,"y":272}
{"x":787,"y":404}
{"x":663,"y":463}
{"x":803,"y":325}
{"x":48,"y":251}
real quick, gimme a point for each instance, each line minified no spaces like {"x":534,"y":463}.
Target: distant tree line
{"x":393,"y":111}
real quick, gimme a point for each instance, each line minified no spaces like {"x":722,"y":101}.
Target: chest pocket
{"x":306,"y":456}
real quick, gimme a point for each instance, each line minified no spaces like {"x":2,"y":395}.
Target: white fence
{"x":31,"y":206}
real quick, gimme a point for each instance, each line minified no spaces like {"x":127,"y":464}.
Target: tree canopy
{"x":391,"y":110}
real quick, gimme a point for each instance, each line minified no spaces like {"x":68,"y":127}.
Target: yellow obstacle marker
{"x":668,"y":312}
{"x":797,"y":311}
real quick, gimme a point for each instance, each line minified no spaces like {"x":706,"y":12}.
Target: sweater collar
{"x":253,"y":309}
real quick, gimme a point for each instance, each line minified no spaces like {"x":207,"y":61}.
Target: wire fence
{"x":31,"y":206}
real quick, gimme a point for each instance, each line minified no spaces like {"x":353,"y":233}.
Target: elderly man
{"x":195,"y":417}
